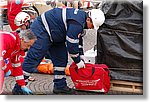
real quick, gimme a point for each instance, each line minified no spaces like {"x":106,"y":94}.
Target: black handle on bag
{"x":93,"y":70}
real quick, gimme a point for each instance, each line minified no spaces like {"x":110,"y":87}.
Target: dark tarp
{"x":120,"y":39}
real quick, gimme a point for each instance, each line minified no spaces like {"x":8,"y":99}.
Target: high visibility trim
{"x":59,"y":76}
{"x":16,"y":64}
{"x":46,"y":26}
{"x":76,"y":11}
{"x":59,"y":68}
{"x":74,"y":55}
{"x":1,"y":58}
{"x":26,"y":73}
{"x":3,"y":68}
{"x":80,"y":46}
{"x":19,"y":77}
{"x":64,"y":17}
{"x":8,"y":34}
{"x":72,"y":40}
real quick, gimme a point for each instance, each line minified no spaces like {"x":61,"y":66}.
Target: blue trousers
{"x":41,"y":47}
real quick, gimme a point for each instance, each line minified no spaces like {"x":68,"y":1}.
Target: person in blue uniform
{"x":58,"y":32}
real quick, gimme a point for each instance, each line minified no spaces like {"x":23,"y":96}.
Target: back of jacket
{"x":56,"y":25}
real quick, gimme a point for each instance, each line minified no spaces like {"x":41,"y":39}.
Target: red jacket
{"x":10,"y":55}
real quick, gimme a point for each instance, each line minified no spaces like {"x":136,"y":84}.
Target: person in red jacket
{"x":12,"y":47}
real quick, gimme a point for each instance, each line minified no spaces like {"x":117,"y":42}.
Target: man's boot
{"x":17,"y":90}
{"x":65,"y":90}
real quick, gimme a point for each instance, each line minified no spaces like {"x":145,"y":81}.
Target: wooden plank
{"x":126,"y":82}
{"x":126,"y":86}
{"x":126,"y":89}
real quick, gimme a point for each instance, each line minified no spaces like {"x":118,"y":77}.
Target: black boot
{"x":65,"y":90}
{"x":17,"y":90}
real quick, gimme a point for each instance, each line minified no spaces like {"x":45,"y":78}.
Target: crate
{"x":126,"y":86}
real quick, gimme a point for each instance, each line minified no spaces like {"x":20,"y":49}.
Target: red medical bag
{"x":94,"y":77}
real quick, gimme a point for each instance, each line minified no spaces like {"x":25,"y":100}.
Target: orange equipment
{"x":47,"y":67}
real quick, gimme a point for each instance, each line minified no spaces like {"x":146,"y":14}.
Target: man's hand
{"x":8,"y":73}
{"x":26,"y":91}
{"x":82,"y":57}
{"x":80,"y":64}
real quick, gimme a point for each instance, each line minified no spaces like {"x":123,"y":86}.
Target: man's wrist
{"x":76,"y":59}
